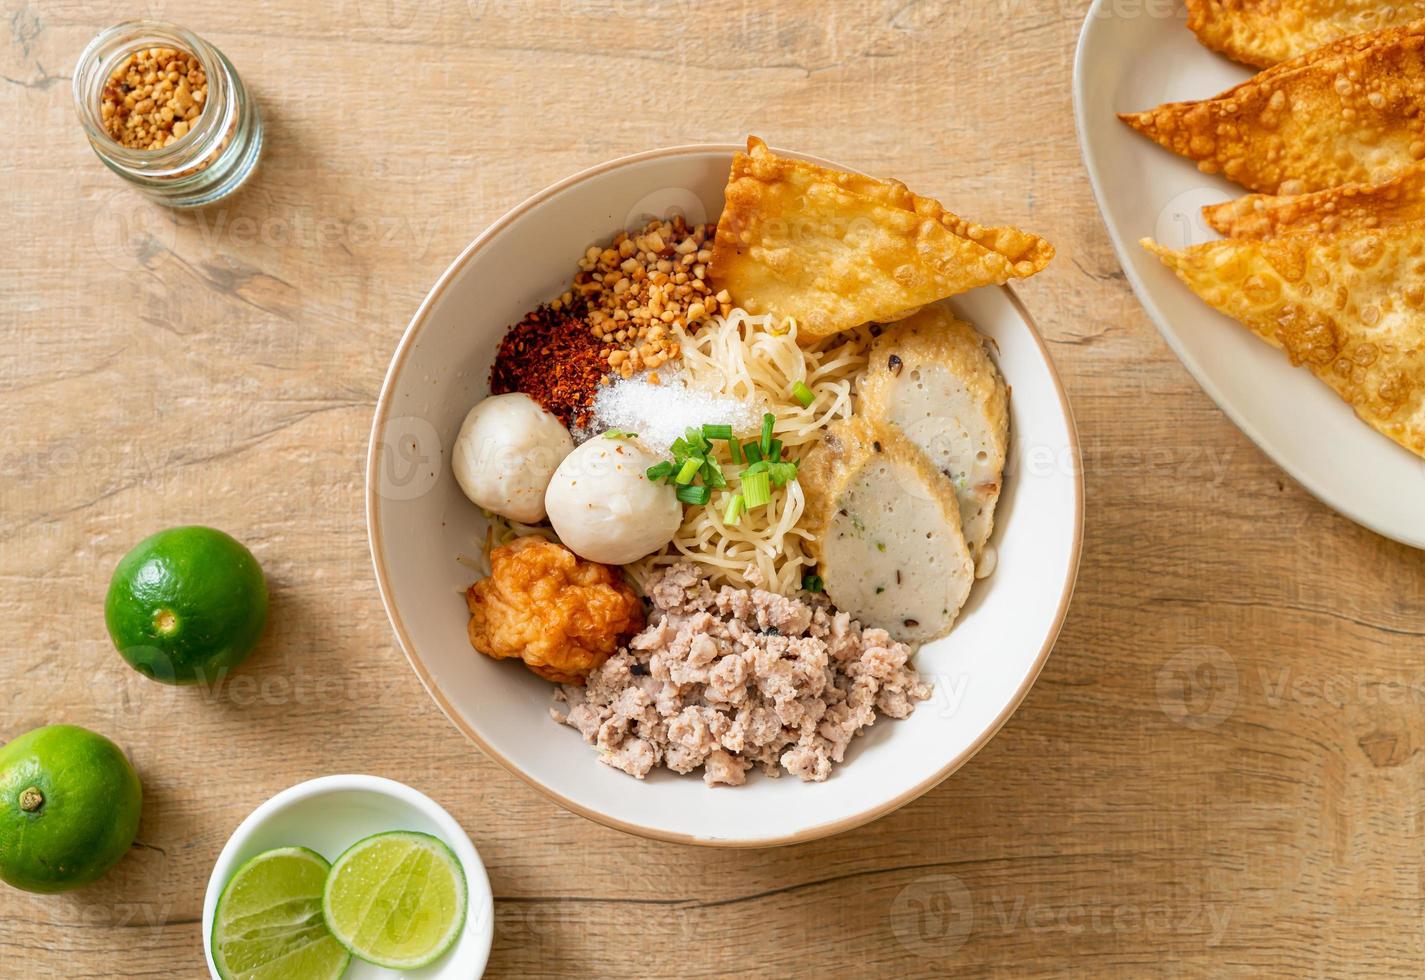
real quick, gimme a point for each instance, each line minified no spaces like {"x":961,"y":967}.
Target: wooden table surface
{"x":1219,"y":771}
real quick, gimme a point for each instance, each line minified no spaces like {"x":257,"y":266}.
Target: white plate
{"x":419,"y":522}
{"x":330,"y":814}
{"x":1129,"y":60}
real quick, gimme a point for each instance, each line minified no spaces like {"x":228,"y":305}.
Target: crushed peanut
{"x":640,"y":287}
{"x":153,"y":98}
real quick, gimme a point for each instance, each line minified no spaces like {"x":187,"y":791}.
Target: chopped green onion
{"x":768,"y":421}
{"x":690,"y":468}
{"x":735,"y":448}
{"x":620,"y":434}
{"x":782,"y":473}
{"x":756,"y":489}
{"x":774,"y":450}
{"x":659,"y":470}
{"x":752,"y":452}
{"x":803,"y":394}
{"x":712,"y":473}
{"x":717,"y":431}
{"x":880,"y":546}
{"x":813,"y":583}
{"x":693,"y":495}
{"x":680,"y":448}
{"x":733,"y":514}
{"x":696,"y":440}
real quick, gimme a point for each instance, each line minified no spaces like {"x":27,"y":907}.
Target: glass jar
{"x":219,"y":150}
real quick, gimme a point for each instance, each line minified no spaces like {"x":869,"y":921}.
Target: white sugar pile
{"x":660,"y":413}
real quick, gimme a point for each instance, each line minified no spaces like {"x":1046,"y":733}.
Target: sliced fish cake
{"x":931,"y":378}
{"x":889,"y":547}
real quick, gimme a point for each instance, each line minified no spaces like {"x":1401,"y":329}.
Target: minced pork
{"x":739,"y":677}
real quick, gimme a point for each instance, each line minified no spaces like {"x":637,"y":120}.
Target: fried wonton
{"x":1354,"y":207}
{"x":1350,"y":307}
{"x":836,"y":250}
{"x":1265,"y":32}
{"x":1345,"y":113}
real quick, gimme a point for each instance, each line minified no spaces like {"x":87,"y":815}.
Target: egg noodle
{"x":754,"y":359}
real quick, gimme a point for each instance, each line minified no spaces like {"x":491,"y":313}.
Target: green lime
{"x":69,"y":808}
{"x":396,"y":900}
{"x":268,"y":923}
{"x":186,"y":605}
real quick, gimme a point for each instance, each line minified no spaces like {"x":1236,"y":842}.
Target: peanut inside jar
{"x":154,"y":98}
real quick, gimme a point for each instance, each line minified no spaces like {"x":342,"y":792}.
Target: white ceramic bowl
{"x":330,"y":814}
{"x":419,"y":522}
{"x":1128,"y":60}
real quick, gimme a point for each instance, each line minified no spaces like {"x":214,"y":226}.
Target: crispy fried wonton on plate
{"x":1335,"y":210}
{"x":1345,"y":113}
{"x":836,"y":250}
{"x":1351,"y":307}
{"x":1265,"y":32}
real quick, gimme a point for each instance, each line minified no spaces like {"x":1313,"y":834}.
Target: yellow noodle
{"x":756,"y":359}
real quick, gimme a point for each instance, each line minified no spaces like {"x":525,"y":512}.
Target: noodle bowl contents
{"x":758,"y":360}
{"x":662,"y":412}
{"x":506,"y":452}
{"x":559,"y":614}
{"x":736,"y":678}
{"x":603,"y":506}
{"x":802,"y":487}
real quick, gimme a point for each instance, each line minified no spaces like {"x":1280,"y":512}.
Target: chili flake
{"x":553,"y":358}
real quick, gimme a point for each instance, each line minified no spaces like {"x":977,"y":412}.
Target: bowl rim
{"x":477,"y":879}
{"x":378,"y":558}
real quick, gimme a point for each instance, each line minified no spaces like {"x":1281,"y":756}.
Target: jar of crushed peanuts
{"x":166,"y":111}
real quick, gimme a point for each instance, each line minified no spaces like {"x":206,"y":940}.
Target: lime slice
{"x":268,"y":924}
{"x":396,"y":900}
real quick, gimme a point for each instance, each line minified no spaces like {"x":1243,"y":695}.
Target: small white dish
{"x":330,"y":814}
{"x":1130,"y":62}
{"x":419,"y":523}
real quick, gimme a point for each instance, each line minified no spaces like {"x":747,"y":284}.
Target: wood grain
{"x":1219,"y":772}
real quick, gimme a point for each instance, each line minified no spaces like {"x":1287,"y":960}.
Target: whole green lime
{"x":69,"y":808}
{"x":186,"y":605}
